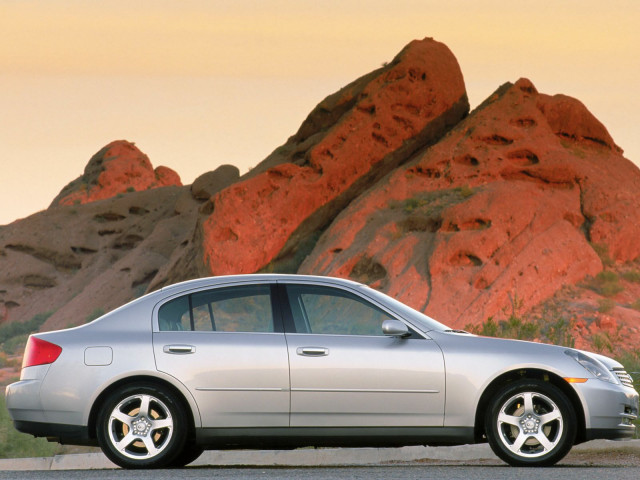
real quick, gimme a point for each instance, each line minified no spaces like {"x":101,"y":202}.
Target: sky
{"x":201,"y":83}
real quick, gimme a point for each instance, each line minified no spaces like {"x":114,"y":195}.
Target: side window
{"x":331,"y":311}
{"x":227,"y":309}
{"x":233,"y":309}
{"x":174,"y":315}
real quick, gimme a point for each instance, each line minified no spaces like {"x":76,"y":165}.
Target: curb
{"x":300,"y":457}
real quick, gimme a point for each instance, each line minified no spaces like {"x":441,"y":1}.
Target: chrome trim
{"x":312,"y":351}
{"x":179,"y":349}
{"x":630,"y":417}
{"x":624,"y":377}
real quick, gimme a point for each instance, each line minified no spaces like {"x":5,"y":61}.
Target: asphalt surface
{"x":593,"y":460}
{"x":400,"y":472}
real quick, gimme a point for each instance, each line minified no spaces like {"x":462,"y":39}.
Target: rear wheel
{"x":530,"y":423}
{"x":142,"y":426}
{"x":189,"y":453}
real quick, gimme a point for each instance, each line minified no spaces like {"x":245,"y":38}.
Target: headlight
{"x":593,"y":366}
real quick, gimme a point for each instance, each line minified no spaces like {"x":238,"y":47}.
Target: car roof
{"x":258,"y":277}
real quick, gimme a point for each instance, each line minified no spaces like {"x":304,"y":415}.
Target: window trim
{"x":276,"y":308}
{"x":289,"y":322}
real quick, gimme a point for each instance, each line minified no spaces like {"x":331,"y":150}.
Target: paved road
{"x":400,"y":472}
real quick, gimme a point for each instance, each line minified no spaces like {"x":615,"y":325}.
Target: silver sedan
{"x":286,"y":361}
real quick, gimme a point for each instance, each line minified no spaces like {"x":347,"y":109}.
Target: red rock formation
{"x":511,"y":204}
{"x":120,"y":167}
{"x":361,"y":132}
{"x":505,"y":206}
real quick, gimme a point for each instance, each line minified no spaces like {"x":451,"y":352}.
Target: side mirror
{"x":395,"y":328}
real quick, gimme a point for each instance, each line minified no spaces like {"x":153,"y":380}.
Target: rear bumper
{"x":23,"y":401}
{"x":55,"y":432}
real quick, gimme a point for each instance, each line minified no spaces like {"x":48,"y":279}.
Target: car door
{"x":345,"y":372}
{"x":227,"y":346}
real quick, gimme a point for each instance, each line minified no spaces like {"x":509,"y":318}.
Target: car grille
{"x":624,"y":377}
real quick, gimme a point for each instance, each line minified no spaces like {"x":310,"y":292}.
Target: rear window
{"x":230,"y":309}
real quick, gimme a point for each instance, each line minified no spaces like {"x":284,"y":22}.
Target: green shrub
{"x":13,"y":362}
{"x":606,"y":283}
{"x":14,"y":444}
{"x":97,"y":313}
{"x":466,"y":191}
{"x":15,"y":344}
{"x":551,"y":327}
{"x":490,"y":328}
{"x":605,"y":305}
{"x":632,"y":276}
{"x":433,"y":203}
{"x":514,"y":327}
{"x":522,"y":329}
{"x":13,"y":329}
{"x":412,"y":203}
{"x":558,"y":330}
{"x":630,"y":359}
{"x":602,"y":250}
{"x":602,"y":342}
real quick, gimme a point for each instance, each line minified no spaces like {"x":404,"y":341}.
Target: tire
{"x":530,"y":423}
{"x":142,"y":426}
{"x":189,"y":453}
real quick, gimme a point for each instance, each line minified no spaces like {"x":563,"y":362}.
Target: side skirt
{"x":297,"y":437}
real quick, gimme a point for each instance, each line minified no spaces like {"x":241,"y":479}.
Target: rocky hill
{"x":524,"y":205}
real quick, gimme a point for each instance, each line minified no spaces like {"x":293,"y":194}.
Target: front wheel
{"x":530,"y":423}
{"x":142,"y":426}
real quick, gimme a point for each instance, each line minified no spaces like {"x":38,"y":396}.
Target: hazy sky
{"x":200,"y":83}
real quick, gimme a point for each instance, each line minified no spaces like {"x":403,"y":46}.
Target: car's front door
{"x":227,"y":346}
{"x":346,"y":373}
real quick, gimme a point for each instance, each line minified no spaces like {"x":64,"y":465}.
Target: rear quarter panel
{"x":71,"y":387}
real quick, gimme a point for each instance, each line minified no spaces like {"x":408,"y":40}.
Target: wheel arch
{"x":138,"y":379}
{"x":528,"y":373}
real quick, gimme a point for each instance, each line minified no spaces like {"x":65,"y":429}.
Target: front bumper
{"x":609,"y":433}
{"x":610,"y":410}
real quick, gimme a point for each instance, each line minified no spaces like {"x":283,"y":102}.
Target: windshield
{"x":420,"y":320}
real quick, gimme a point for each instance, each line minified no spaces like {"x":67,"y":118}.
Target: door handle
{"x":179,"y":349}
{"x":312,"y":351}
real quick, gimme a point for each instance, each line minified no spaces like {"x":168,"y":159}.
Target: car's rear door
{"x":227,"y":346}
{"x":346,"y":373}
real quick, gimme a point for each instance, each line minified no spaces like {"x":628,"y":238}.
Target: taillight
{"x":40,"y":352}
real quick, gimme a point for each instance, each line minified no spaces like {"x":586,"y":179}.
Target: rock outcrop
{"x":78,"y":261}
{"x":350,"y":140}
{"x":75,"y":261}
{"x":389,"y":181}
{"x":117,"y":168}
{"x":507,"y":206}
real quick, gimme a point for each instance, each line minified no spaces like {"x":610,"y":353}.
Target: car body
{"x":286,"y":361}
